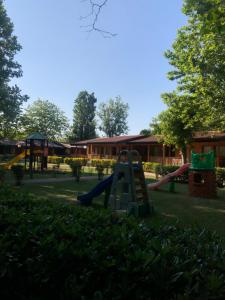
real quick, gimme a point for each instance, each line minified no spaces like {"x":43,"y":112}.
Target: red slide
{"x":166,"y":178}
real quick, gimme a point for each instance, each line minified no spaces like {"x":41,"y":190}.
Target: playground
{"x":128,"y":189}
{"x":169,"y":208}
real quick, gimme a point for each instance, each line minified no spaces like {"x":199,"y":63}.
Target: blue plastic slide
{"x":96,"y":191}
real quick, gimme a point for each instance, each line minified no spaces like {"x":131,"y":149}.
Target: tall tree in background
{"x":113,"y":117}
{"x":84,"y":117}
{"x":44,"y":117}
{"x":10,"y":96}
{"x":198,"y":58}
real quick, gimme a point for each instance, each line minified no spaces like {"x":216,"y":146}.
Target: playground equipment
{"x":125,"y":189}
{"x":37,"y":149}
{"x":202,"y":177}
{"x":13,"y":161}
{"x":169,"y":177}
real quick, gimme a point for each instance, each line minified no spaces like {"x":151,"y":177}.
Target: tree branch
{"x":94,"y":14}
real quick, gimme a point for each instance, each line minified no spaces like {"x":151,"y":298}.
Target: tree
{"x":198,"y":59}
{"x":113,"y":116}
{"x":84,"y":117}
{"x":44,"y":117}
{"x":145,"y":132}
{"x":10,"y":96}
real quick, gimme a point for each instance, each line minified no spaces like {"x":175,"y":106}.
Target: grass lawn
{"x":169,"y":207}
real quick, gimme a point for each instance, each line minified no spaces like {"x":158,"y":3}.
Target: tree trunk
{"x":184,"y":154}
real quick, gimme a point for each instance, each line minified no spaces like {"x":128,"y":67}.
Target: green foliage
{"x":10,"y":96}
{"x":44,"y":117}
{"x":100,"y":171}
{"x":113,"y":116}
{"x":150,"y":166}
{"x":18,"y":172}
{"x":55,"y":250}
{"x":79,"y":161}
{"x":145,"y":132}
{"x":198,"y":60}
{"x":84,"y":117}
{"x":2,"y":175}
{"x":76,"y":165}
{"x":55,"y":160}
{"x":106,"y":163}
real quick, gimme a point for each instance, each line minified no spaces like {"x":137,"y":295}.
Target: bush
{"x":150,"y":166}
{"x":2,"y":175}
{"x":55,"y":160}
{"x":75,"y":160}
{"x":55,"y":250}
{"x":100,"y":171}
{"x":220,"y":176}
{"x":18,"y":172}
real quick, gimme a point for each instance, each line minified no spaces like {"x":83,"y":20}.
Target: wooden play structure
{"x":129,"y":192}
{"x":125,"y":190}
{"x":202,"y":177}
{"x":36,"y":149}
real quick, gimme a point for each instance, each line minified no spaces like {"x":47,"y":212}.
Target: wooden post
{"x":148,"y":153}
{"x":163,"y":158}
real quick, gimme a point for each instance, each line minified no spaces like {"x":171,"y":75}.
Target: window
{"x":156,"y":151}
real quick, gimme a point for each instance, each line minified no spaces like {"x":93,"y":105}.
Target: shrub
{"x":100,"y":171}
{"x":55,"y":160}
{"x":18,"y":172}
{"x":76,"y":160}
{"x":150,"y":166}
{"x":55,"y":250}
{"x":2,"y":175}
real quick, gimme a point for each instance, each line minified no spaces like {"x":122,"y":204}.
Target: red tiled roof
{"x":208,"y":136}
{"x":111,"y":140}
{"x":153,"y":139}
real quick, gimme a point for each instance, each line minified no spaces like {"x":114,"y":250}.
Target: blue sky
{"x":59,"y":58}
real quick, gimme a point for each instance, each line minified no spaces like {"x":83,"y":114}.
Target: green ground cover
{"x":169,"y":207}
{"x":58,"y":250}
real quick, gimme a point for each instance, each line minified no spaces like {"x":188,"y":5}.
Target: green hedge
{"x":105,"y":163}
{"x":56,"y":250}
{"x":150,"y":166}
{"x":55,"y":160}
{"x":79,"y":161}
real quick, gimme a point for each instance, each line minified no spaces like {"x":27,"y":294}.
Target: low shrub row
{"x":56,"y":250}
{"x":79,"y":161}
{"x":150,"y":166}
{"x":55,"y":160}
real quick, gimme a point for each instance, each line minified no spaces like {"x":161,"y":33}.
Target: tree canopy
{"x":113,"y":117}
{"x":198,"y":60}
{"x":10,"y":95}
{"x":44,"y":117}
{"x":84,"y":117}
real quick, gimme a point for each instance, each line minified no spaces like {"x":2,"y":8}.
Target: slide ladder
{"x":128,"y":191}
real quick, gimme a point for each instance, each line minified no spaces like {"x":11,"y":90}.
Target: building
{"x":152,"y":148}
